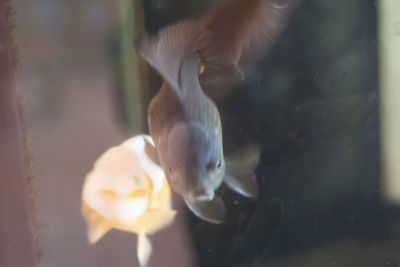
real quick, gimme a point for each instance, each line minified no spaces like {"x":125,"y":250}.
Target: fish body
{"x":127,"y":191}
{"x":188,"y":134}
{"x":183,"y":121}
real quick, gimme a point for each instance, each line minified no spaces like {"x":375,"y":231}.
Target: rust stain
{"x":28,"y":161}
{"x":27,"y":145}
{"x":10,"y":15}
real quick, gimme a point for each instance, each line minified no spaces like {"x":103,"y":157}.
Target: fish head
{"x":195,"y":164}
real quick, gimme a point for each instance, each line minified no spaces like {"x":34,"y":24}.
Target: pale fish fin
{"x":96,"y":232}
{"x":172,"y":47}
{"x":239,"y":174}
{"x":143,"y":249}
{"x":244,"y":184}
{"x":98,"y":226}
{"x":243,"y":160}
{"x":153,"y":220}
{"x":213,"y":211}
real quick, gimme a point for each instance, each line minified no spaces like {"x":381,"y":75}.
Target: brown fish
{"x":184,"y":122}
{"x":241,"y":31}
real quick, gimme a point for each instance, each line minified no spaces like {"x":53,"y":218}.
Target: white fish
{"x":126,"y":190}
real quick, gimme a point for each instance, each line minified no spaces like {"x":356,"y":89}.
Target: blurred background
{"x":322,"y":104}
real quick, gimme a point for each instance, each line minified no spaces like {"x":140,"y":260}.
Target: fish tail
{"x":143,"y":249}
{"x":167,"y":51}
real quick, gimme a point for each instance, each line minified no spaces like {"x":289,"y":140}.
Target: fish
{"x":241,"y":32}
{"x":193,"y":55}
{"x":240,"y":175}
{"x":127,"y":191}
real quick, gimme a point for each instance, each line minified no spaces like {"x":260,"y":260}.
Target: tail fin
{"x":171,"y":47}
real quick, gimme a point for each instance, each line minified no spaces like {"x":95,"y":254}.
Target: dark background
{"x":311,"y":103}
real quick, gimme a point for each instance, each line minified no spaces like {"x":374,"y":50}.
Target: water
{"x":312,"y":103}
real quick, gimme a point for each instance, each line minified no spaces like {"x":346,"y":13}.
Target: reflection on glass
{"x":389,"y":26}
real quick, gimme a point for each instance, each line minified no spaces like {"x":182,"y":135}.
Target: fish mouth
{"x":201,"y":194}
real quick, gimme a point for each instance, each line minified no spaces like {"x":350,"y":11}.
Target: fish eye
{"x":214,"y":165}
{"x":218,"y":164}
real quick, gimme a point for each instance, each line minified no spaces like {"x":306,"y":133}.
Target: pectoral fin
{"x":243,"y":160}
{"x":213,"y":211}
{"x":97,"y":231}
{"x":98,"y":226}
{"x":240,"y":175}
{"x":244,"y":184}
{"x":143,"y":249}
